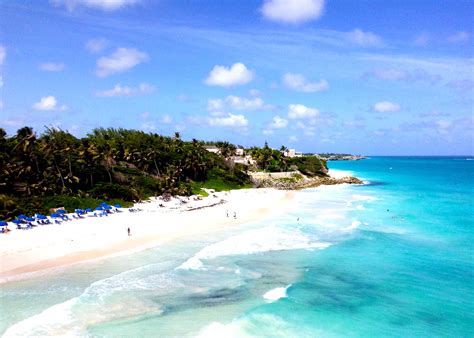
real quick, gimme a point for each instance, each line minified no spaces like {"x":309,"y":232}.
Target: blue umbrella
{"x":99,"y":208}
{"x":39,"y":216}
{"x":3,"y":224}
{"x":55,"y":215}
{"x":22,"y":216}
{"x":107,"y":207}
{"x":61,"y":211}
{"x":17,"y":221}
{"x":30,"y":219}
{"x":79,"y":211}
{"x":118,"y":205}
{"x":88,"y":210}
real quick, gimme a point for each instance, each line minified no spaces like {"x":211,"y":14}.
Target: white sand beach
{"x":26,"y":252}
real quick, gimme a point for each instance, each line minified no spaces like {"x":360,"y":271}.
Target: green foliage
{"x":108,"y":163}
{"x":310,"y":165}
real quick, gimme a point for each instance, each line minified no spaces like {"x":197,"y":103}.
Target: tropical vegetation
{"x":57,"y":169}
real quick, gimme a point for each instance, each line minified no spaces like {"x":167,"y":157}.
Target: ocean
{"x":391,"y":258}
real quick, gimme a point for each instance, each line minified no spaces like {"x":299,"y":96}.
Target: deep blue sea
{"x":391,"y":258}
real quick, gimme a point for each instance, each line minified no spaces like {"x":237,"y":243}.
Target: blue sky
{"x":369,"y":77}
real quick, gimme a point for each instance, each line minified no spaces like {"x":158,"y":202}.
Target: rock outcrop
{"x":304,"y":182}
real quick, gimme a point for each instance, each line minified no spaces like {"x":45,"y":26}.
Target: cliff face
{"x":299,"y":181}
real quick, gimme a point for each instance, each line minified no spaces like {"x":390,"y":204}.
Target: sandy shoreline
{"x":26,"y":252}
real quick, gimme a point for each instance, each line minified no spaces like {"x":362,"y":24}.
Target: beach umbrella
{"x":55,"y":215}
{"x":118,"y":205}
{"x":3,"y":224}
{"x":107,"y":207}
{"x":79,"y":211}
{"x":88,"y":210}
{"x":30,"y":219}
{"x":17,"y":221}
{"x":39,"y":216}
{"x":61,"y":211}
{"x":99,"y":208}
{"x":22,"y":216}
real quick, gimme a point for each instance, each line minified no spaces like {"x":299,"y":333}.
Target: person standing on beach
{"x":235,"y":214}
{"x":128,"y":230}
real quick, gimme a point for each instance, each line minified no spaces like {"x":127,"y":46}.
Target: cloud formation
{"x":278,"y":123}
{"x":386,"y":107}
{"x":395,"y":74}
{"x":228,"y":120}
{"x":119,"y":90}
{"x":299,"y":83}
{"x":3,"y":54}
{"x":48,"y":103}
{"x":292,"y":11}
{"x":121,"y":60}
{"x":238,"y":103}
{"x":364,"y":39}
{"x":237,"y":74}
{"x":299,"y":111}
{"x":52,"y":66}
{"x":104,"y":5}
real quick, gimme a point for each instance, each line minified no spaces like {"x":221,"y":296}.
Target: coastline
{"x":25,"y":253}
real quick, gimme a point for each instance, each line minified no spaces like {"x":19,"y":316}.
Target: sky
{"x":364,"y":77}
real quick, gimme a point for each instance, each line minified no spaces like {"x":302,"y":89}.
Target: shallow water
{"x":390,"y":258}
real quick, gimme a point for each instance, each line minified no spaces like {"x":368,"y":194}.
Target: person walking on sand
{"x":227,"y":213}
{"x":128,"y":230}
{"x":235,"y":215}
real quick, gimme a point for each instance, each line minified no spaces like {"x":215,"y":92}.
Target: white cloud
{"x":121,"y":60}
{"x":119,"y":90}
{"x":52,"y":66}
{"x":148,"y":126}
{"x":292,"y":11}
{"x":3,"y":54}
{"x":365,"y":39}
{"x":237,"y":102}
{"x":278,"y":123}
{"x":104,"y":5}
{"x":459,"y":37}
{"x":386,"y":106}
{"x":299,"y":111}
{"x":299,"y":83}
{"x":268,"y":132}
{"x":394,"y":74}
{"x":48,"y":103}
{"x":166,"y":119}
{"x":293,"y":139}
{"x":229,"y":120}
{"x":237,"y":74}
{"x":96,"y":45}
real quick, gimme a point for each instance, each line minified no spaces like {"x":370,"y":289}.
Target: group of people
{"x":235,"y":214}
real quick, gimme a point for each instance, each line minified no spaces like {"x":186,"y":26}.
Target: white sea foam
{"x":276,"y":293}
{"x":368,"y":198}
{"x":354,"y":225}
{"x":64,"y":319}
{"x":266,"y":239}
{"x":216,"y":329}
{"x":339,"y":173}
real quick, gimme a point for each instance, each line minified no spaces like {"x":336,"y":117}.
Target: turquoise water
{"x":392,"y":258}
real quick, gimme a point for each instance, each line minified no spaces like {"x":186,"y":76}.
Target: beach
{"x":24,"y":253}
